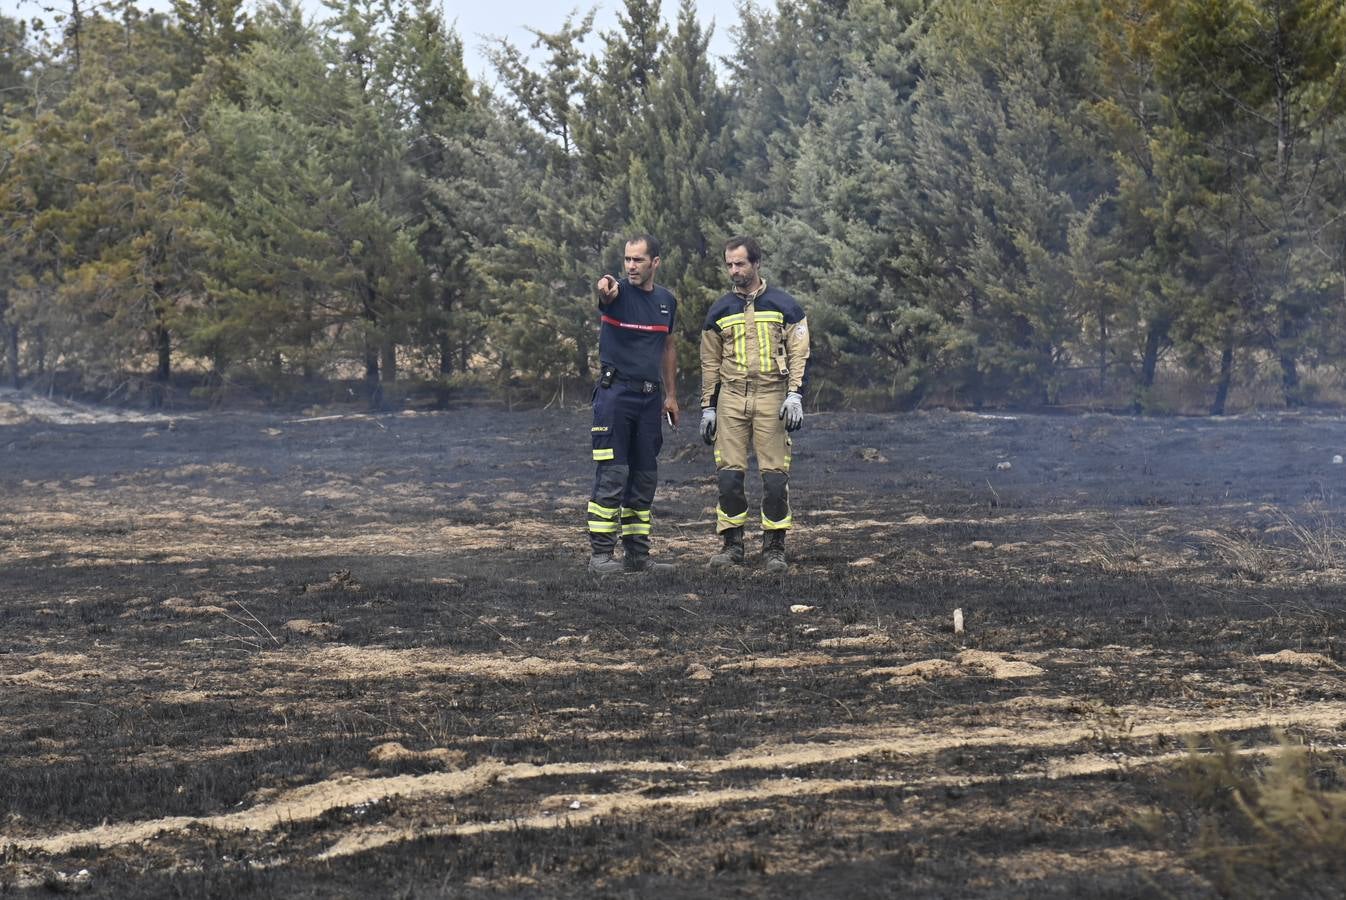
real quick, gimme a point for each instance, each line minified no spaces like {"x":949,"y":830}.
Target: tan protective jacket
{"x":761,"y":337}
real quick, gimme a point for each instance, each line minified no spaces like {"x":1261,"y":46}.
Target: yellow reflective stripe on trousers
{"x":603,"y":519}
{"x":768,"y":525}
{"x":640,"y":523}
{"x":723,"y":518}
{"x":605,"y":453}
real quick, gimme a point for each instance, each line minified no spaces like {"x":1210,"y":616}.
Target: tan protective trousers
{"x":747,"y":416}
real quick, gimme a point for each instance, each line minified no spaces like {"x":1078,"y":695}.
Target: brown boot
{"x":731,"y":554}
{"x":773,"y":551}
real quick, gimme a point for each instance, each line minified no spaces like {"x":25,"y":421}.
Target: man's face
{"x":640,"y":266}
{"x":741,"y":272}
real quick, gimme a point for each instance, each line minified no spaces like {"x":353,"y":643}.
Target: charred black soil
{"x":280,"y":656}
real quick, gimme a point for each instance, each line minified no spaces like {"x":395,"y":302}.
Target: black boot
{"x":731,"y":554}
{"x":604,"y":564}
{"x":773,"y":550}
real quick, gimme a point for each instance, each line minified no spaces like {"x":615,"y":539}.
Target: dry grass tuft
{"x":1267,"y":826}
{"x":1318,"y":545}
{"x":1245,"y":556}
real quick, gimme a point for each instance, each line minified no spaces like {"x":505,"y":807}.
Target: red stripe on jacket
{"x":620,"y":324}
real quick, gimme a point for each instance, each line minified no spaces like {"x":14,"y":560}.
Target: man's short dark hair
{"x":651,"y":243}
{"x":747,"y":243}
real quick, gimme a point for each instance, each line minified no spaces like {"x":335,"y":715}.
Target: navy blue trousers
{"x":627,"y":435}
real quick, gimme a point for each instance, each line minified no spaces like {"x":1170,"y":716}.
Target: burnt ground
{"x":286,"y":656}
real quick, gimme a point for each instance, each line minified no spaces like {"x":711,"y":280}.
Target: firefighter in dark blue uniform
{"x":636,"y":390}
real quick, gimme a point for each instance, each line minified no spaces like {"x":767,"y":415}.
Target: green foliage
{"x":104,"y":212}
{"x":1036,"y":201}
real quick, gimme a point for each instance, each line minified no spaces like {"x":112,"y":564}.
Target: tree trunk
{"x":1149,"y":361}
{"x":1289,"y":363}
{"x":373,"y":389}
{"x":11,"y":347}
{"x":446,"y":349}
{"x":1102,"y":350}
{"x":446,"y":352}
{"x":163,"y":343}
{"x":163,"y":369}
{"x":1290,"y":380}
{"x":582,"y":362}
{"x":12,"y":354}
{"x":277,"y":368}
{"x":1226,"y":376}
{"x":388,"y":351}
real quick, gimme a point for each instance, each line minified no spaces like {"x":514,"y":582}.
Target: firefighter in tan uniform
{"x":754,"y":357}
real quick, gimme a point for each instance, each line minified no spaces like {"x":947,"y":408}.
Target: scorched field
{"x":306,"y":656}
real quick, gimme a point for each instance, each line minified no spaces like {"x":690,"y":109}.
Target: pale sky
{"x":477,"y":22}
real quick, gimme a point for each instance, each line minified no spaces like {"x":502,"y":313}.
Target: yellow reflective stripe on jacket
{"x":769,"y":525}
{"x":765,"y":318}
{"x":604,"y":453}
{"x":735,"y":325}
{"x":723,"y":518}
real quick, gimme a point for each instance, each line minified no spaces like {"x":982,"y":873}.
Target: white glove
{"x":708,"y":424}
{"x":792,"y":411}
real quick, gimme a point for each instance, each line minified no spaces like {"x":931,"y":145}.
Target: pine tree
{"x":540,"y":278}
{"x":459,"y":178}
{"x":316,"y":245}
{"x":675,"y":176}
{"x":120,"y":258}
{"x":17,"y":63}
{"x":1257,"y":89}
{"x":1003,"y":168}
{"x":840,"y":241}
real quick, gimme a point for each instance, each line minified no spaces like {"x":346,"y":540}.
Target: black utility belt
{"x":610,"y":375}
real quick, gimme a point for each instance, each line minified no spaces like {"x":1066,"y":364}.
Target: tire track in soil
{"x":313,"y":801}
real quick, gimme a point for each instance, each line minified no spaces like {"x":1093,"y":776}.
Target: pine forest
{"x":1136,"y":205}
